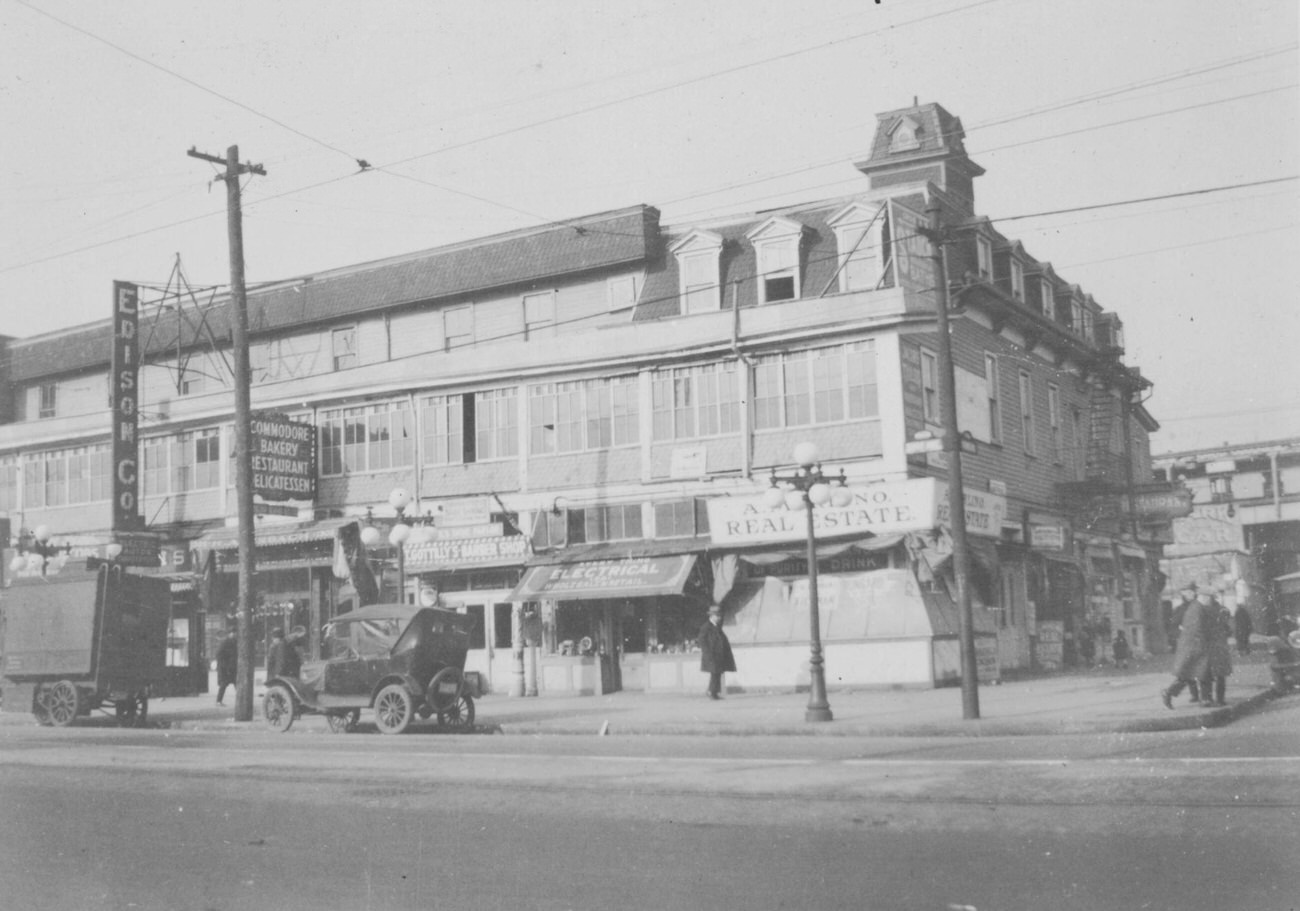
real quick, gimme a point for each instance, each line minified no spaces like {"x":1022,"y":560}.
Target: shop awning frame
{"x":584,"y":580}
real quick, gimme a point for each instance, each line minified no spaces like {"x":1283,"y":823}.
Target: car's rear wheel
{"x":277,"y":707}
{"x":459,"y":713}
{"x":394,"y":709}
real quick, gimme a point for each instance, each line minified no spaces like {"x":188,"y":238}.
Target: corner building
{"x":586,"y":415}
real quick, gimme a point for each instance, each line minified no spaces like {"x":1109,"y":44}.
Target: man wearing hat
{"x":1191,"y":660}
{"x":283,"y":659}
{"x":715,"y":652}
{"x":1186,"y":596}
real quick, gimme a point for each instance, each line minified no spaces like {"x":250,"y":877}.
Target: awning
{"x":277,"y":535}
{"x":632,"y":577}
{"x":1288,"y":584}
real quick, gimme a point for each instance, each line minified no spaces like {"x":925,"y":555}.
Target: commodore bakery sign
{"x":284,"y":458}
{"x":887,"y":508}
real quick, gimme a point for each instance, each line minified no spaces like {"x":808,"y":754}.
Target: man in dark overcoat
{"x":1191,"y":660}
{"x":284,"y":659}
{"x":227,"y":664}
{"x":1186,"y":597}
{"x":715,"y":652}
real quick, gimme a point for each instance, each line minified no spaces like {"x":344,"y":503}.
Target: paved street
{"x":212,"y":818}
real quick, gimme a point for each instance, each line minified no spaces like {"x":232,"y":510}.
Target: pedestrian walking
{"x":715,"y":652}
{"x":1186,"y":598}
{"x":1121,"y":649}
{"x":1242,"y":627}
{"x":1218,"y":653}
{"x":1191,"y":660}
{"x":227,"y":664}
{"x":283,"y":659}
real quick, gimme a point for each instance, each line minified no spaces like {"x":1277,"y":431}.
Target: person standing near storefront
{"x":1219,"y":652}
{"x":1242,"y":627}
{"x":227,"y":664}
{"x":715,"y":652}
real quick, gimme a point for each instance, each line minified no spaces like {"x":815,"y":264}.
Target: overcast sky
{"x":485,"y":117}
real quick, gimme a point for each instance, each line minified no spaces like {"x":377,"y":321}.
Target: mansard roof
{"x":621,"y":237}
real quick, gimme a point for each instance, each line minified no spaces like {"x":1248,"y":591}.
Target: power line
{"x":1130,"y":202}
{"x":198,"y":85}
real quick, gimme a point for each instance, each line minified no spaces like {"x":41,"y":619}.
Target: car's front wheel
{"x":394,"y":709}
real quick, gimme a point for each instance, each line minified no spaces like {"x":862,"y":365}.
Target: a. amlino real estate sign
{"x":283,"y":458}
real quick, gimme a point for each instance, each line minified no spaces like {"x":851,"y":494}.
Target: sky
{"x":486,"y":117}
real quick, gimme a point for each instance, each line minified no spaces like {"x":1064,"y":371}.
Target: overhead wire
{"x":191,"y":82}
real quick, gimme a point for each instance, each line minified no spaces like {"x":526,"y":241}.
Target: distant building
{"x":587,"y":413}
{"x":1243,"y":535}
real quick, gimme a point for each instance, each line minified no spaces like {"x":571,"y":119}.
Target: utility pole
{"x":970,"y":697}
{"x":243,"y":428}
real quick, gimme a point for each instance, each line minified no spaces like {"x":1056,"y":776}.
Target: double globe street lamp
{"x":805,"y":490}
{"x":400,"y":498}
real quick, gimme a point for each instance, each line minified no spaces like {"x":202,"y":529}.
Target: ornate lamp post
{"x":399,"y":499}
{"x":805,"y":490}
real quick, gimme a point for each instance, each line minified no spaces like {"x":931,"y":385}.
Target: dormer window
{"x":698,"y":256}
{"x":1049,"y":298}
{"x":1076,"y":316}
{"x":1017,"y":279}
{"x":776,"y":245}
{"x":904,"y":135}
{"x":862,"y":242}
{"x":984,"y":256}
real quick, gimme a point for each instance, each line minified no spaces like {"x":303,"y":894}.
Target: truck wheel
{"x":130,"y":710}
{"x":394,"y":708}
{"x":278,"y":708}
{"x":62,"y":703}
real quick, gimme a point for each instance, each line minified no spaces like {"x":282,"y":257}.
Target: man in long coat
{"x":1191,"y":660}
{"x":227,"y":664}
{"x":715,"y":652}
{"x":1219,"y":652}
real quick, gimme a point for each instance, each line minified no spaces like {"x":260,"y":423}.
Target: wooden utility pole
{"x":243,"y":429}
{"x":970,"y":697}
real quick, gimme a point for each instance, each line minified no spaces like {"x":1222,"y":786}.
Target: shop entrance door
{"x":609,"y":647}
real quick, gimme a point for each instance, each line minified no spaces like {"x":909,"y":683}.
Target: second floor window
{"x":994,"y":380}
{"x":613,"y":523}
{"x":344,"y":347}
{"x":817,"y":386}
{"x":539,"y":315}
{"x":692,"y":402}
{"x":370,"y":438}
{"x":49,"y":400}
{"x":1054,"y":421}
{"x":586,"y":415}
{"x":458,"y":327}
{"x":1027,"y":412}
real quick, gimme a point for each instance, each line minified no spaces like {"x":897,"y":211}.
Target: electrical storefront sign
{"x":124,"y":400}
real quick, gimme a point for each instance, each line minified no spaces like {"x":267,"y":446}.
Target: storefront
{"x":886,"y":593}
{"x":306,"y":573}
{"x":616,"y":617}
{"x":472,"y":570}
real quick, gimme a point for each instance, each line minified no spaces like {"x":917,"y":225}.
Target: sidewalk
{"x":1095,"y":701}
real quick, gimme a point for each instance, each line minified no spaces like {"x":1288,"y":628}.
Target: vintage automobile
{"x":399,"y":659}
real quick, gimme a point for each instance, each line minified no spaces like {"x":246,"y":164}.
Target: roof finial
{"x":916,"y":101}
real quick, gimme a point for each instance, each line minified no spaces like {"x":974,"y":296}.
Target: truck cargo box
{"x":109,"y":628}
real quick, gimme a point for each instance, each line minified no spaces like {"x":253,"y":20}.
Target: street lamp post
{"x":805,"y":490}
{"x":399,"y":499}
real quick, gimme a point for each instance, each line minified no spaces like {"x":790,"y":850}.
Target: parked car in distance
{"x":401,"y":660}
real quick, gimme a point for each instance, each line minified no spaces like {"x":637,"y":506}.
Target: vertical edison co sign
{"x":124,"y":399}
